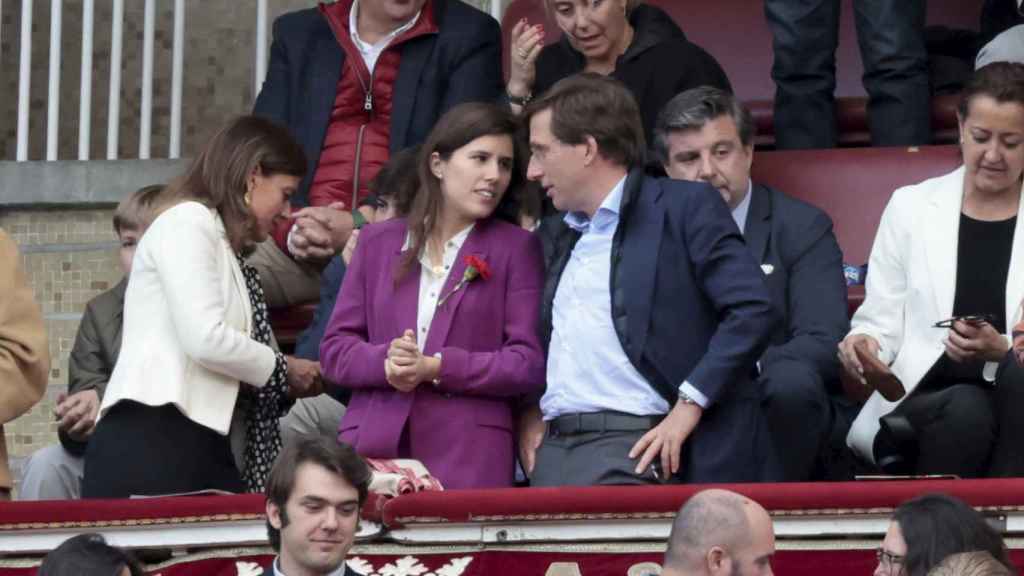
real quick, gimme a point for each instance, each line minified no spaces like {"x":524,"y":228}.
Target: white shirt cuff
{"x":288,"y":241}
{"x":694,"y":394}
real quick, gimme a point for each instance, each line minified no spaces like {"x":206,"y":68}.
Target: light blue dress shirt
{"x":739,"y":213}
{"x":587,"y":370}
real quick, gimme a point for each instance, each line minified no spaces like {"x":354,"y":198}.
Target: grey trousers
{"x":591,"y":459}
{"x":52,"y":473}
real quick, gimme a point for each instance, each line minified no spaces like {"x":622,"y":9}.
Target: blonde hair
{"x":978,"y":563}
{"x":138,"y":209}
{"x":630,"y":5}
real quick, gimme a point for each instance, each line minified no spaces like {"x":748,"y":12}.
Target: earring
{"x":247,"y":198}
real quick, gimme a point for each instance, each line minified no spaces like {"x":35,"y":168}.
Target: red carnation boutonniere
{"x":476,"y":267}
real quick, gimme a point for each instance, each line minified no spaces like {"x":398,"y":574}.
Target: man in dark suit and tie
{"x":653,"y":311}
{"x":705,"y":135}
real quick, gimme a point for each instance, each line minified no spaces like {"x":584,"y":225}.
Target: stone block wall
{"x":69,"y":257}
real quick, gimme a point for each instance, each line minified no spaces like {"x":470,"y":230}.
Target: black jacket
{"x":659,"y":64}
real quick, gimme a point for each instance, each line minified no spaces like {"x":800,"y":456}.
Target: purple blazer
{"x":462,"y":430}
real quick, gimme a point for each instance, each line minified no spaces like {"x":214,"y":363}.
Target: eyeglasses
{"x":890,"y":560}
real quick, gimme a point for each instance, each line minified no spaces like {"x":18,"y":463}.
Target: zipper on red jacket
{"x":358,"y":64}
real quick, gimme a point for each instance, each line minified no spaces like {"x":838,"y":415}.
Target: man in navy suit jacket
{"x":356,"y":81}
{"x":705,"y":135}
{"x":653,"y":310}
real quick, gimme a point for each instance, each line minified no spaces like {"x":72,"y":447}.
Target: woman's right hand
{"x":848,"y":355}
{"x":304,"y":377}
{"x":527,"y":42}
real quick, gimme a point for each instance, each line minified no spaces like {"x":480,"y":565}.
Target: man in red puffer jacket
{"x":355,"y":81}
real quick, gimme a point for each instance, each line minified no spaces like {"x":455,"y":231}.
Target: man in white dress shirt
{"x":653,"y":310}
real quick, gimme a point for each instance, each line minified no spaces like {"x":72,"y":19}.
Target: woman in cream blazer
{"x":949,"y":246}
{"x":195,"y":329}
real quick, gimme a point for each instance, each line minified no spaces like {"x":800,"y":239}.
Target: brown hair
{"x":398,"y":180}
{"x":217,"y":176}
{"x":337,"y":457}
{"x":137,"y":210}
{"x":1002,"y":81}
{"x":977,"y":563}
{"x":457,"y":128}
{"x":593,"y":105}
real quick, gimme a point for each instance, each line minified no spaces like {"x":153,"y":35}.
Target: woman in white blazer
{"x":196,"y":336}
{"x":949,"y":246}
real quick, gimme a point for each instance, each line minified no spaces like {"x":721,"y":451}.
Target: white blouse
{"x":432,"y":281}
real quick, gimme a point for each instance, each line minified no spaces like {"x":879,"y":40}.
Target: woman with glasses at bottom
{"x":927,"y":529}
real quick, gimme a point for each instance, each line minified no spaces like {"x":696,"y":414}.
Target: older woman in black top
{"x":633,"y":42}
{"x":948,"y":247}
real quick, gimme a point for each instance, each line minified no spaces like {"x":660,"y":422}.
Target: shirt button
{"x":433,"y":295}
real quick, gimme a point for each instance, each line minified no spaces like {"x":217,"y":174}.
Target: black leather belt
{"x":569,"y":424}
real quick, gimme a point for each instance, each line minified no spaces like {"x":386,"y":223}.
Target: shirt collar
{"x":353,"y":30}
{"x":739,"y":213}
{"x":277,"y":569}
{"x":606,"y":212}
{"x":456,"y":241}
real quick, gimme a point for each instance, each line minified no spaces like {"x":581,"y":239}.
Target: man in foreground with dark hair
{"x":653,"y":311}
{"x":720,"y":532}
{"x":314,"y":494}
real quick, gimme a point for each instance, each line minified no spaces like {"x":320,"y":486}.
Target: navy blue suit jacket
{"x":460,"y":63}
{"x":803,"y":268}
{"x":688,"y":304}
{"x":688,"y":301}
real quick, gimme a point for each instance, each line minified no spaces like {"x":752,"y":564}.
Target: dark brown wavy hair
{"x":457,"y":128}
{"x":217,"y":176}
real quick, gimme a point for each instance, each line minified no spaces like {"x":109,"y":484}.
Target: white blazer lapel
{"x":241,"y":290}
{"x":942,"y":231}
{"x":1015,"y":277}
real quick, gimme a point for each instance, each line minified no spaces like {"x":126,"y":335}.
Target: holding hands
{"x":527,"y":42}
{"x":77,"y":413}
{"x":320,"y":232}
{"x":406,"y":367}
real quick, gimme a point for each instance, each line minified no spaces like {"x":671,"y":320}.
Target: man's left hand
{"x":667,"y":438}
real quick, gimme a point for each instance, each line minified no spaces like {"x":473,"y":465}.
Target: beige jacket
{"x":24,"y":351}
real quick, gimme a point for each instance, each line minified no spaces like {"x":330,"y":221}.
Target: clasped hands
{"x":405,"y":366}
{"x":320,"y":232}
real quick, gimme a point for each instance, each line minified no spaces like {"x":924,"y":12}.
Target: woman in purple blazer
{"x":435,"y":328}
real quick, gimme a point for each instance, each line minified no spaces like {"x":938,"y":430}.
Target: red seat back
{"x":852,"y":185}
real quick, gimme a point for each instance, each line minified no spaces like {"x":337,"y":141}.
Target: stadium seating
{"x":736,"y":33}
